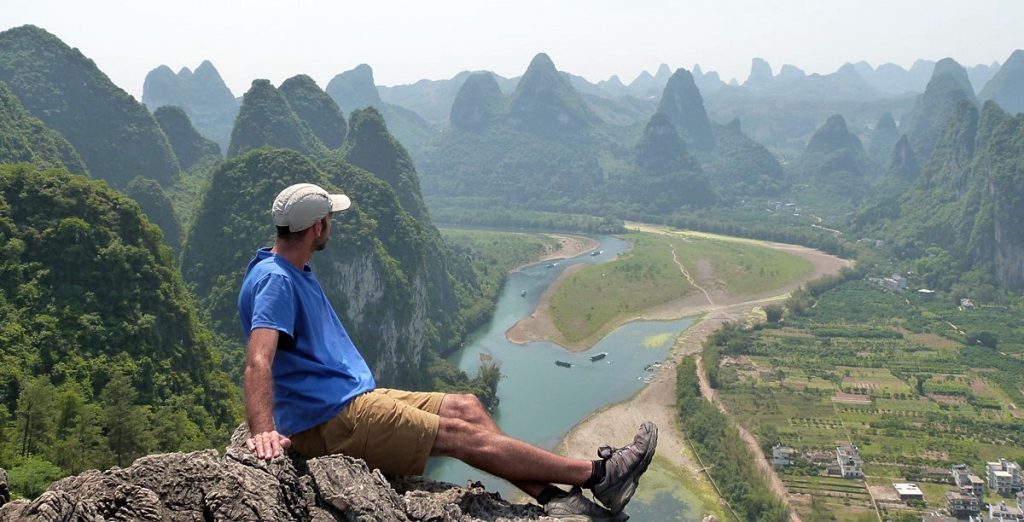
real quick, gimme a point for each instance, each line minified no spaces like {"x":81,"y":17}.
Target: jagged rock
{"x":204,"y":485}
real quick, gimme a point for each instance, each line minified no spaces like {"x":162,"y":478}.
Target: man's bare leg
{"x":469,"y":434}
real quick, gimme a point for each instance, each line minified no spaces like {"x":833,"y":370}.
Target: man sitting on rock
{"x":307,"y":387}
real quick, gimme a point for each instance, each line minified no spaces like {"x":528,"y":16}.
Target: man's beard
{"x":320,"y":245}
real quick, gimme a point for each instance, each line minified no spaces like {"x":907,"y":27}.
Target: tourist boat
{"x":563,"y":364}
{"x":598,"y":356}
{"x":522,"y":294}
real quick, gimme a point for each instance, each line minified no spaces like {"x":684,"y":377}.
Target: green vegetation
{"x":104,"y":358}
{"x":887,"y":372}
{"x":725,"y":456}
{"x":370,"y":146}
{"x":266,"y":120}
{"x":154,"y":203}
{"x":600,"y":295}
{"x":646,"y":277}
{"x":313,"y":106}
{"x":478,"y":103}
{"x":189,"y":146}
{"x":493,"y":255}
{"x":26,"y":139}
{"x":115,"y":135}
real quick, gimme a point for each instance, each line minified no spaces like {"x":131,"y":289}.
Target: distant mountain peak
{"x":682,"y":104}
{"x":1006,"y":87}
{"x":478,"y":103}
{"x":545,"y":100}
{"x":833,"y":136}
{"x":760,"y":74}
{"x":354,"y":89}
{"x":265,"y":119}
{"x":664,"y":72}
{"x":313,"y":106}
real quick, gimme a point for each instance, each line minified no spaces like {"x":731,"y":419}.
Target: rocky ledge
{"x":205,"y":485}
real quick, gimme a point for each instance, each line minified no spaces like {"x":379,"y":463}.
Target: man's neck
{"x":297,"y":253}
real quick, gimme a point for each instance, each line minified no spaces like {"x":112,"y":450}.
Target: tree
{"x":124,"y":422}
{"x":32,"y":476}
{"x":35,"y":415}
{"x":83,"y":446}
{"x":983,"y":338}
{"x":773,"y":313}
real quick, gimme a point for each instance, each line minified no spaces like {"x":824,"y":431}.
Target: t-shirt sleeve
{"x":274,"y":304}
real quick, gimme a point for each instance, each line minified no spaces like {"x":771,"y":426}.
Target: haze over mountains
{"x":162,"y":203}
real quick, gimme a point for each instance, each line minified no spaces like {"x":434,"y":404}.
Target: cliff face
{"x":204,"y":485}
{"x":375,"y":270}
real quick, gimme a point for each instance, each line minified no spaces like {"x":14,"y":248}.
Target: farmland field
{"x":884,"y":372}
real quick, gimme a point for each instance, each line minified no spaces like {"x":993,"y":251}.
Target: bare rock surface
{"x":205,"y":485}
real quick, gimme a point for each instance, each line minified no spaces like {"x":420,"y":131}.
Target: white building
{"x":850,"y":463}
{"x":908,"y":491}
{"x":1004,"y":477}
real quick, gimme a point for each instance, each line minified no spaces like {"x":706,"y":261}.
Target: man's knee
{"x":464,"y":406}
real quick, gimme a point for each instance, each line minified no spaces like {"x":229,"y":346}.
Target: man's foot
{"x":574,"y":506}
{"x":623,"y":467}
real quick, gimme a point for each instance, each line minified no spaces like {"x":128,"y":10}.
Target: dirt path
{"x":762,"y":461}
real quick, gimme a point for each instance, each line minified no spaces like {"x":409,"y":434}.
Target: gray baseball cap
{"x":299,"y":206}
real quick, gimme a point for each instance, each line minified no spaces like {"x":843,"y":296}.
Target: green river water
{"x":541,"y":401}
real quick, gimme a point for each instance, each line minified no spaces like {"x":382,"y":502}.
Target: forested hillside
{"x":115,"y":135}
{"x":23,"y":138}
{"x":104,"y":355}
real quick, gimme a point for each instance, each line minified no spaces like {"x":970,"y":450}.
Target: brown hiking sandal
{"x":623,"y":467}
{"x":576,"y":507}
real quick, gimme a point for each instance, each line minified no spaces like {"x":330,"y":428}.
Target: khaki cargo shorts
{"x":392,"y":430}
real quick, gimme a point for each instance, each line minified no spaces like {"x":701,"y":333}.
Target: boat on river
{"x":563,"y":364}
{"x":598,"y":356}
{"x":522,"y":294}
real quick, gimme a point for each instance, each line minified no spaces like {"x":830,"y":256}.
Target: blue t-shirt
{"x":316,"y":368}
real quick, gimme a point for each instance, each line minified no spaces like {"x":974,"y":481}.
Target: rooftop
{"x":907,"y":488}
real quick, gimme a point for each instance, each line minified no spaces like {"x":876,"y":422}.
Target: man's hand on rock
{"x":268,"y":445}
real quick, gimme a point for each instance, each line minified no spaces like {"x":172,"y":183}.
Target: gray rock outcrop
{"x":204,"y":485}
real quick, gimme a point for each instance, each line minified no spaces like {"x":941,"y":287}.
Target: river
{"x":541,"y":401}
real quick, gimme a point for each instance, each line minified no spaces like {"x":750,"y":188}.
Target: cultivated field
{"x":887,"y":373}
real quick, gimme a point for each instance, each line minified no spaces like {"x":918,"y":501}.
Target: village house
{"x":1004,"y":477}
{"x":961,"y":505}
{"x":849,"y":461}
{"x":908,"y":491}
{"x":969,"y":483}
{"x":782,"y":456}
{"x":1001,"y":512}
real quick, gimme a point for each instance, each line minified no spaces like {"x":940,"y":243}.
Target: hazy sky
{"x":409,"y":40}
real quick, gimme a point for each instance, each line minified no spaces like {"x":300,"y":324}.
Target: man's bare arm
{"x":266,"y":442}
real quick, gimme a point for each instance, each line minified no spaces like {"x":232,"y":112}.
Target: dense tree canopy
{"x":115,"y":135}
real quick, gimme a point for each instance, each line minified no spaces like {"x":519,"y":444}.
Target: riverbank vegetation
{"x":492,"y":255}
{"x":726,"y":458}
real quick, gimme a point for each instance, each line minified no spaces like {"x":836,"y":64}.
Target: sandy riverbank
{"x":617,"y":424}
{"x":539,"y":326}
{"x":567,"y":247}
